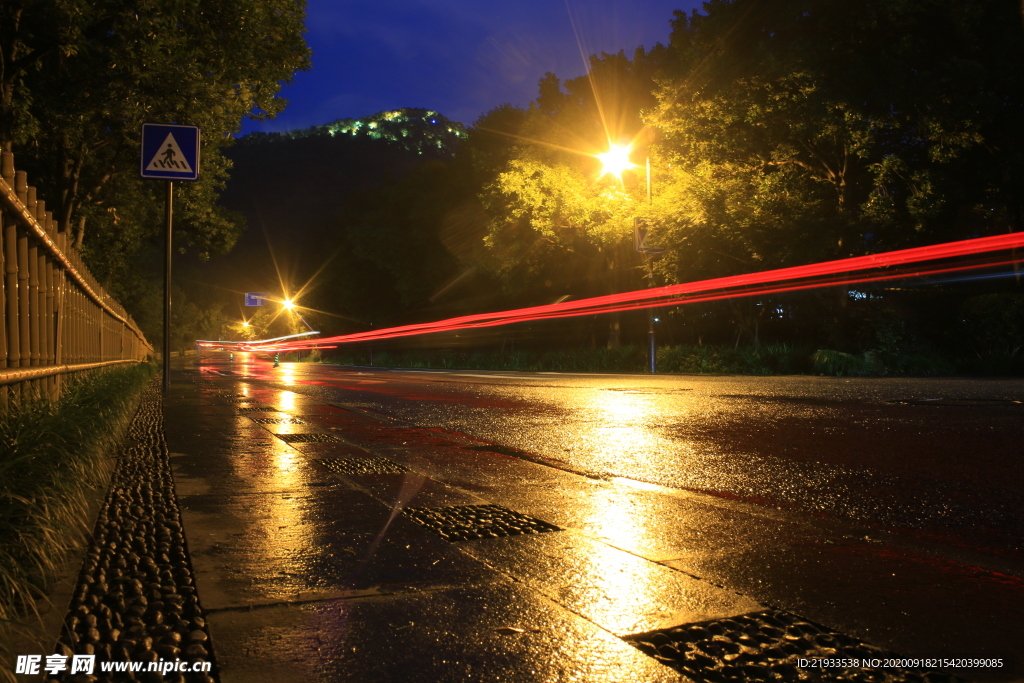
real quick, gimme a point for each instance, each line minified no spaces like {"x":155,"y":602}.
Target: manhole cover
{"x":277,"y":420}
{"x":769,"y":645}
{"x":958,"y":402}
{"x":495,"y":448}
{"x":470,"y":522}
{"x":308,"y":438}
{"x":361,"y":465}
{"x":257,"y":409}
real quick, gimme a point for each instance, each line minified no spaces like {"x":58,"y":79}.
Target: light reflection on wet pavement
{"x":791,"y":463}
{"x":825,"y":445}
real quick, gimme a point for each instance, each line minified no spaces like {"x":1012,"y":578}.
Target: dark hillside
{"x":292,"y":186}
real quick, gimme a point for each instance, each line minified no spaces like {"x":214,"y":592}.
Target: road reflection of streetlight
{"x":287,"y":375}
{"x":286,"y":399}
{"x":277,"y":536}
{"x":619,"y":426}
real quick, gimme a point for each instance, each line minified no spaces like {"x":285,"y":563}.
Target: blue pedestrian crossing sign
{"x":256,"y":298}
{"x":170,"y":152}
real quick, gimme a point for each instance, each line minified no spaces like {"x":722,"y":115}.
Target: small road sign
{"x":256,"y":298}
{"x":170,"y":152}
{"x":641,"y":236}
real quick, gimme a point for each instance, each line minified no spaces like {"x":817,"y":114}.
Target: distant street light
{"x":290,"y":306}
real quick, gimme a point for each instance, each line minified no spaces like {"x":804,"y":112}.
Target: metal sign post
{"x":168,"y":222}
{"x":169,"y":152}
{"x":642,"y":227}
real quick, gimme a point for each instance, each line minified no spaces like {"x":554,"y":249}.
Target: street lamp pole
{"x":650,"y":283}
{"x":615,"y":161}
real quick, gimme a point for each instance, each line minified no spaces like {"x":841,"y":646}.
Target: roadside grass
{"x":54,"y":461}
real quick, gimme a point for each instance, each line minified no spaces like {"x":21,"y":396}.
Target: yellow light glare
{"x":288,"y":304}
{"x":245,"y":324}
{"x":616,"y":160}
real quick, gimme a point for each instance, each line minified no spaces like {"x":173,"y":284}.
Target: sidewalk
{"x":333,"y":544}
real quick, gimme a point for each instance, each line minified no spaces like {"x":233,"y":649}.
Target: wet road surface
{"x":889,"y":510}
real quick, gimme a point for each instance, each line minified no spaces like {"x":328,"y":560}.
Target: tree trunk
{"x":80,"y":232}
{"x":615,"y":330}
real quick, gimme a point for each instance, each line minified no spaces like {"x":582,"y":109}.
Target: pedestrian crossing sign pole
{"x":169,"y":152}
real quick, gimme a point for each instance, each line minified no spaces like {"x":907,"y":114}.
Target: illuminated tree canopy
{"x":556,"y":226}
{"x":781,"y":133}
{"x":806,"y":130}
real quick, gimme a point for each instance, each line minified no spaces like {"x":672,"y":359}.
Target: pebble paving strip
{"x":361,"y":465}
{"x":136,"y":599}
{"x":472,"y":522}
{"x":258,"y":409}
{"x":767,"y":646}
{"x":308,"y":438}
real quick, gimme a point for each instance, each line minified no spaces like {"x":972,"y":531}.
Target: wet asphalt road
{"x":948,"y":464}
{"x":886,"y":509}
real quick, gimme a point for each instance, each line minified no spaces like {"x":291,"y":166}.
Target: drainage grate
{"x":361,"y":465}
{"x":494,"y":448}
{"x":277,"y":420}
{"x":308,"y":438}
{"x":767,"y":646}
{"x":958,"y":402}
{"x":257,"y":409}
{"x":469,"y":522}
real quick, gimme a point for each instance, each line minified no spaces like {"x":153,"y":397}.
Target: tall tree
{"x":78,"y":78}
{"x":555,"y":227}
{"x":805,"y":129}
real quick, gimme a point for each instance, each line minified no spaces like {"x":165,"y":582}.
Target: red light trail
{"x":828,"y":273}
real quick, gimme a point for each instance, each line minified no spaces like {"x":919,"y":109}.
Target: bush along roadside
{"x":767,"y":359}
{"x":55,"y":462}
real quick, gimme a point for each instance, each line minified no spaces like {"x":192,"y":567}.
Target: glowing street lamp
{"x":290,"y":306}
{"x":616,"y":161}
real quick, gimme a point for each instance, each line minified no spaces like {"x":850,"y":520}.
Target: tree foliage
{"x":555,"y":226}
{"x":779,"y":133}
{"x":79,"y":77}
{"x":802,"y":130}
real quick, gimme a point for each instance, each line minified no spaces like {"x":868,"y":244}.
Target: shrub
{"x":53,"y":459}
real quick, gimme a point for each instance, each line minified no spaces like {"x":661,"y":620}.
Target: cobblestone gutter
{"x":135,"y":600}
{"x":777,"y":646}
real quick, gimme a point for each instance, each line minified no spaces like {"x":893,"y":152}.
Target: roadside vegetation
{"x":778,"y":135}
{"x":55,"y":460}
{"x":769,"y":359}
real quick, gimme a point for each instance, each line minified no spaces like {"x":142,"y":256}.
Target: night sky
{"x":461,"y":58}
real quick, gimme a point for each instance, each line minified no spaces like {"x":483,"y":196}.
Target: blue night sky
{"x":461,"y":58}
